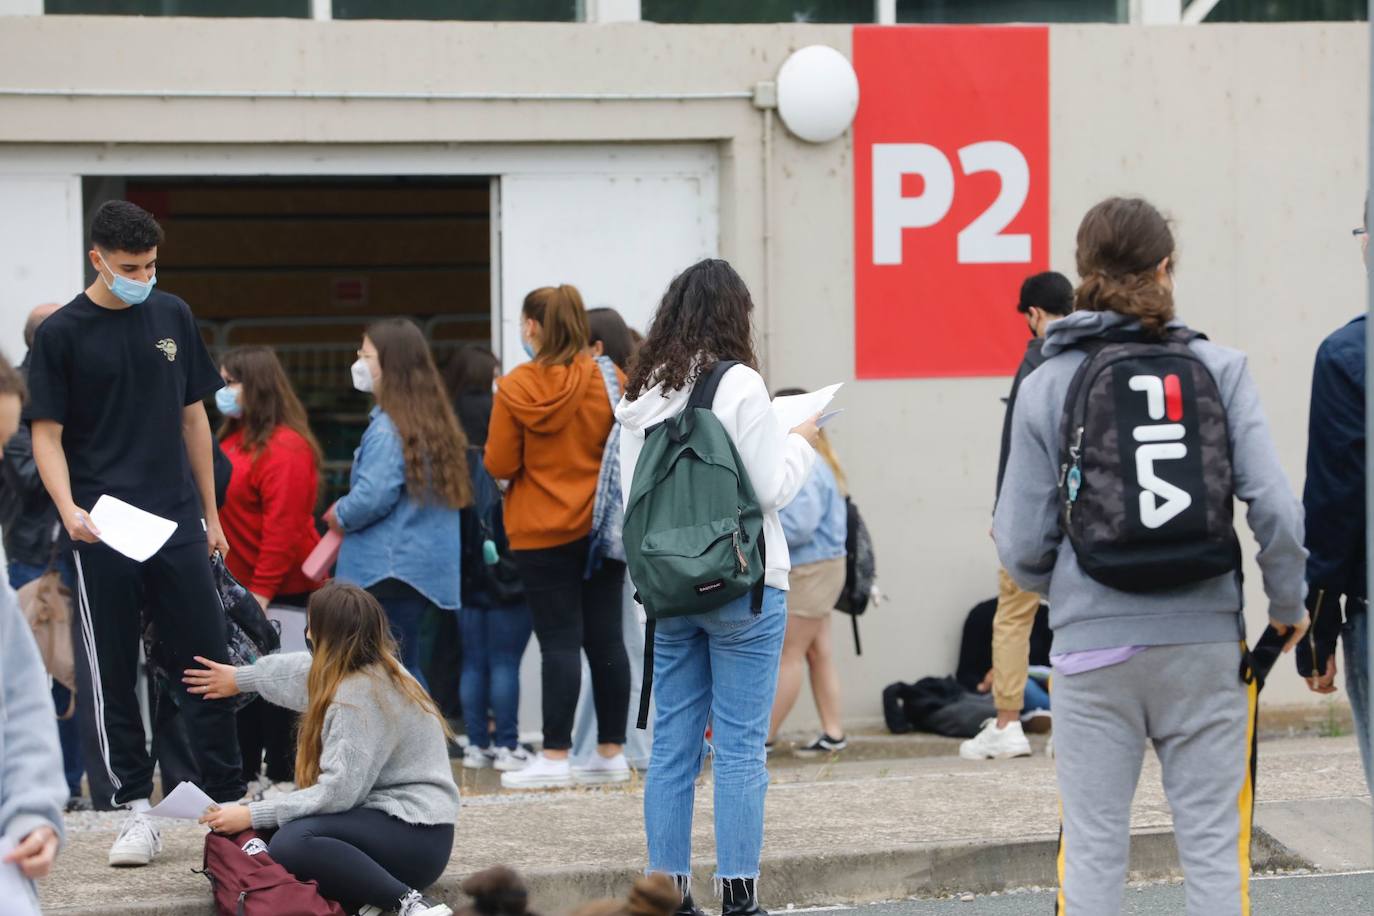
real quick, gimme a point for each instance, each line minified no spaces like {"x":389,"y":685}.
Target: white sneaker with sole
{"x":601,"y":771}
{"x":541,"y":773}
{"x":993,"y":743}
{"x":416,"y":904}
{"x":138,"y":842}
{"x":476,"y":758}
{"x":510,"y":760}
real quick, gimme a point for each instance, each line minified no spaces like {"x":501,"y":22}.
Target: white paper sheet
{"x":15,"y":897}
{"x":798,"y":408}
{"x":135,"y":533}
{"x":186,"y":802}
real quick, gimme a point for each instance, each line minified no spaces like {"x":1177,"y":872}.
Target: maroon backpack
{"x":246,"y":882}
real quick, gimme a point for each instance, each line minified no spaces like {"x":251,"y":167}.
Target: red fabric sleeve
{"x":287,"y":482}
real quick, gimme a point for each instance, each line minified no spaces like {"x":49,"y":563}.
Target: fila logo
{"x":1160,"y":501}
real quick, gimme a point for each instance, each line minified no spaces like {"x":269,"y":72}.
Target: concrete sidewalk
{"x":837,"y":831}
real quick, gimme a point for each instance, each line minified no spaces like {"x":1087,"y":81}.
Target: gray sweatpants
{"x":1190,"y":702}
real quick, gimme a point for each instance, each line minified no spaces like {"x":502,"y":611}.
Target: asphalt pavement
{"x":1291,"y":895}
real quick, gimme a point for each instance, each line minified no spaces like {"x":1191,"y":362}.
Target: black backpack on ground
{"x":860,"y":570}
{"x":1145,"y":486}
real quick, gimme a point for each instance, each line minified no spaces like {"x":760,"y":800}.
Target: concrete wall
{"x":1252,"y":137}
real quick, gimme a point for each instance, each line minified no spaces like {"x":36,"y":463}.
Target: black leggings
{"x":572,"y":614}
{"x":363,"y":856}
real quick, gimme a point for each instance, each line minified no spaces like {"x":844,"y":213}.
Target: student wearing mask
{"x":549,"y":426}
{"x":494,"y":621}
{"x":1134,"y":662}
{"x":268,"y":517}
{"x":400,"y":519}
{"x":1045,"y":297}
{"x":816,"y":525}
{"x":372,"y":817}
{"x":118,"y":377}
{"x":32,"y":788}
{"x":721,"y":665}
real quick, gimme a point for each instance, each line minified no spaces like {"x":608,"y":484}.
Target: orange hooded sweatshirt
{"x":549,"y":426}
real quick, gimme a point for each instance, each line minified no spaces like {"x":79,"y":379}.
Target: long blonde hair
{"x":350,"y":634}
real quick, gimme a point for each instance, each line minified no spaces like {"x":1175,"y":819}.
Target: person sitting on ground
{"x":816,"y":524}
{"x":1044,"y":298}
{"x":32,"y":787}
{"x":652,"y":895}
{"x":372,"y":819}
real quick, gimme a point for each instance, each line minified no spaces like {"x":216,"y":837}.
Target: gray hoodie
{"x":32,"y":788}
{"x":1084,"y":613}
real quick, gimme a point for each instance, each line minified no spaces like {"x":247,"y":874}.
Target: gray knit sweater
{"x":378,"y":749}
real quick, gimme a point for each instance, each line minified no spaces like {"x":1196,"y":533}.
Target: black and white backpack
{"x":1145,"y":487}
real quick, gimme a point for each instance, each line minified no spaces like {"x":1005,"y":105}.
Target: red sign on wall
{"x":951,"y":196}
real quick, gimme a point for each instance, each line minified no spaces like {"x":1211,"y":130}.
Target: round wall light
{"x":818,"y":93}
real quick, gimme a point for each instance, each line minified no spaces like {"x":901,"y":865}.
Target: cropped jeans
{"x":722,"y":667}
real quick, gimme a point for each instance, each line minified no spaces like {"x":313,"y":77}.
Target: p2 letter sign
{"x":951,"y":196}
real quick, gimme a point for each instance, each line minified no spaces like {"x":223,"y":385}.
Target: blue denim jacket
{"x":816,"y":523}
{"x":387,"y":533}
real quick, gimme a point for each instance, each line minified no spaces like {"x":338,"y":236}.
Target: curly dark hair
{"x":703,"y":319}
{"x":121,"y":226}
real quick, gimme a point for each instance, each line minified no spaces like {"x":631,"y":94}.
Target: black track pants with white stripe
{"x":109,"y":596}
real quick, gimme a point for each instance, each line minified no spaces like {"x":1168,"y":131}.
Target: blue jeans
{"x":722,"y":665}
{"x":1036,"y":696}
{"x":405,"y":611}
{"x":494,"y":641}
{"x":68,"y":736}
{"x":1355,"y":640}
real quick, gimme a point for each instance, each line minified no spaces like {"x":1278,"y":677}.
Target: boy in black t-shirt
{"x":117,"y":377}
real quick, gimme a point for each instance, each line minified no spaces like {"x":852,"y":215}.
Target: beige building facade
{"x":612,"y":155}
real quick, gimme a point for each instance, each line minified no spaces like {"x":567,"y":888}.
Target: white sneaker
{"x":415,"y":904}
{"x":476,"y":758}
{"x":138,"y":842}
{"x":993,"y":743}
{"x":541,"y":773}
{"x":510,"y":760}
{"x":600,"y":771}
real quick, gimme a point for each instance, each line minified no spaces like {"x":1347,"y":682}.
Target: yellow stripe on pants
{"x":1246,"y":799}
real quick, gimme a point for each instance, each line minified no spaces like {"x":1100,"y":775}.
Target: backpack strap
{"x":647,"y":682}
{"x":704,"y":391}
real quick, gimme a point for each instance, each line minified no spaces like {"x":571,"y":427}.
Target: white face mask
{"x":362,"y":376}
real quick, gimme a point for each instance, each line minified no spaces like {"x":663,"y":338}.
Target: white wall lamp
{"x":818,"y":93}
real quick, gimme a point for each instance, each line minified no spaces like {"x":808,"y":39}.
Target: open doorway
{"x":304,"y":264}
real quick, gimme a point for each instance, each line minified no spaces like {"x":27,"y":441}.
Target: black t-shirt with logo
{"x":117,"y":380}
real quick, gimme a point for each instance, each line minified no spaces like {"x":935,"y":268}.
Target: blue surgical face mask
{"x":227,"y":401}
{"x":529,"y":349}
{"x":129,"y":291}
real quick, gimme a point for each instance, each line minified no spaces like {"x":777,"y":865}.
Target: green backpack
{"x":693,"y":527}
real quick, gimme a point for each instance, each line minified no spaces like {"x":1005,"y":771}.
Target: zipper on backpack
{"x":1072,"y":473}
{"x":739,"y":550}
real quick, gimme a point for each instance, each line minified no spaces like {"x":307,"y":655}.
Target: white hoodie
{"x":776,"y":461}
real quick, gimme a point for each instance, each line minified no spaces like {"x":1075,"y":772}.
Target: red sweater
{"x":268,"y":513}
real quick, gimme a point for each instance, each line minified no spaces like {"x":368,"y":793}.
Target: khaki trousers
{"x":1011,"y":631}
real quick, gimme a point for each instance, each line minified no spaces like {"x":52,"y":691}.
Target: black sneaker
{"x":823,"y":745}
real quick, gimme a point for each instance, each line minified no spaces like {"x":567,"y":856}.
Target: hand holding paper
{"x":793,"y":410}
{"x":128,"y":529}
